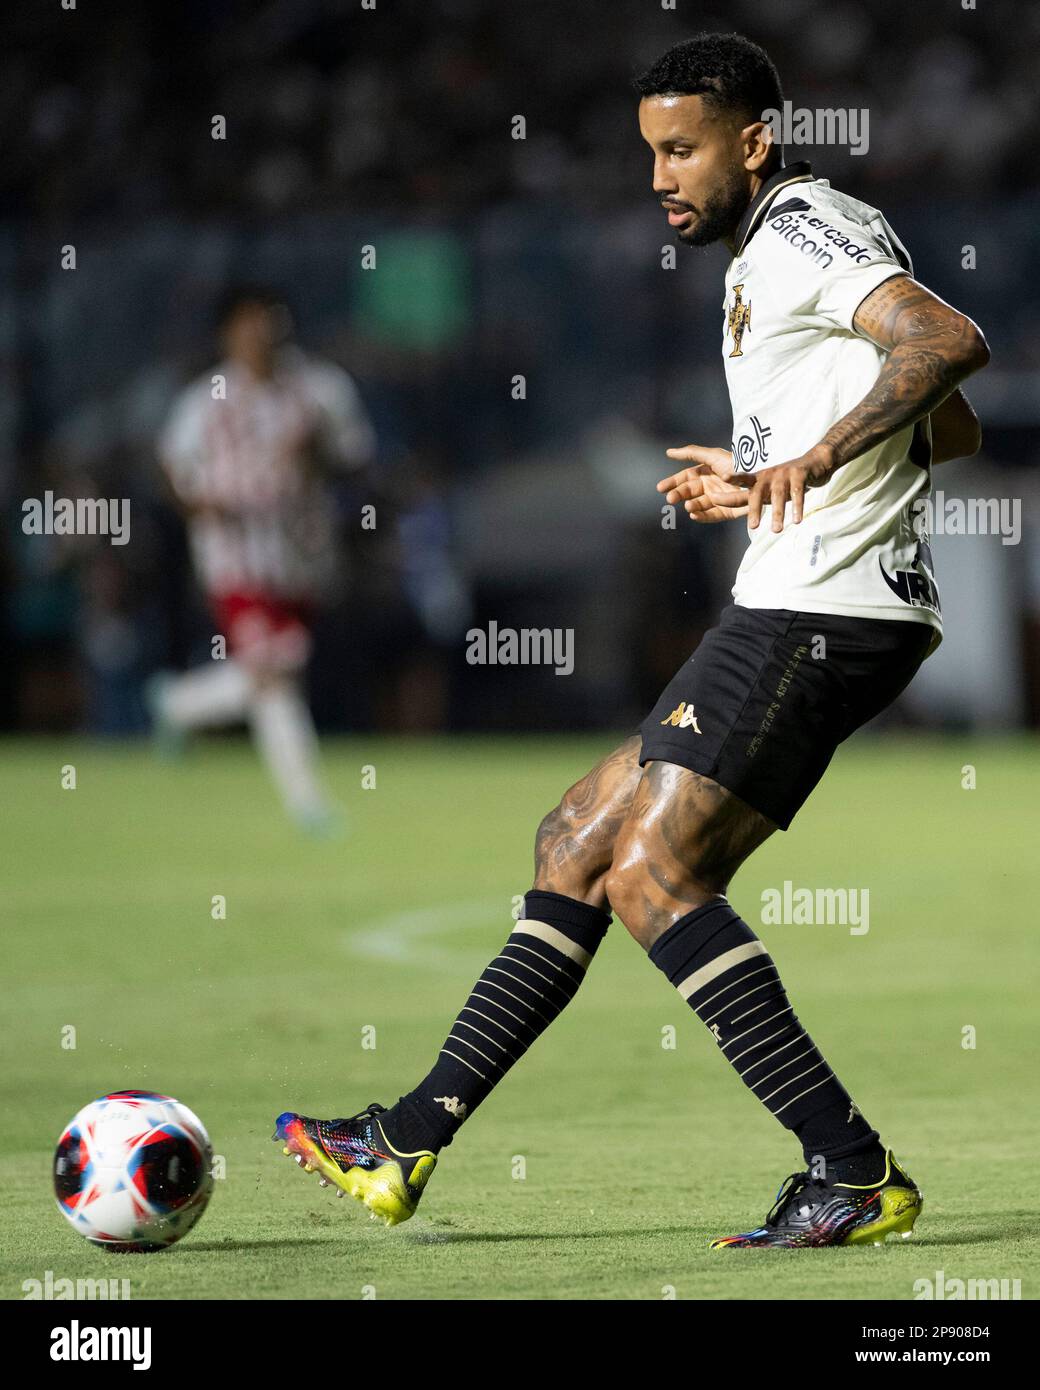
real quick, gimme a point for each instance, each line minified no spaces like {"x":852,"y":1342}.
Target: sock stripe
{"x":553,"y":984}
{"x":748,"y":1031}
{"x":496,"y":1005}
{"x":562,"y":966}
{"x":719,"y":966}
{"x":832,"y":1077}
{"x":521,"y":991}
{"x":464,"y":1042}
{"x":555,"y":938}
{"x":449,"y":1053}
{"x":521,"y":984}
{"x":523,"y":965}
{"x":754,"y":1007}
{"x":560,"y":978}
{"x":778,"y":1034}
{"x":815,"y":1067}
{"x":774,"y":1053}
{"x":734,"y":984}
{"x":753,"y":1022}
{"x":719,"y":1012}
{"x":461,"y":1023}
{"x":468,"y":1009}
{"x":491,"y":984}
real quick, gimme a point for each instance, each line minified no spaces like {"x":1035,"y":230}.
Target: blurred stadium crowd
{"x":393,"y":128}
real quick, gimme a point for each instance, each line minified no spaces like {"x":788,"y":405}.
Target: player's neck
{"x":757,"y":182}
{"x":259,"y":368}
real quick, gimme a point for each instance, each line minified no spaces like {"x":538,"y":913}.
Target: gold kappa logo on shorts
{"x":683,"y":717}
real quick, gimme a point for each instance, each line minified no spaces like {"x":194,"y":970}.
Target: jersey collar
{"x":752,"y":219}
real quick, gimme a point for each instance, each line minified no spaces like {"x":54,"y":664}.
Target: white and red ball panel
{"x":132,"y":1171}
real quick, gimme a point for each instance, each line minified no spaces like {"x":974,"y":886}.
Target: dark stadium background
{"x":497,"y":256}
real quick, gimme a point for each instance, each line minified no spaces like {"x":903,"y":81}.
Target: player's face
{"x":251,"y":333}
{"x":699,"y":172}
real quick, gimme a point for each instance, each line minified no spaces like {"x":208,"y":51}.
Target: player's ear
{"x":757,"y":140}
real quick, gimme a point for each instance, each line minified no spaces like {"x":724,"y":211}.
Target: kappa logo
{"x":453,"y":1105}
{"x":683,"y":717}
{"x":714,"y":1030}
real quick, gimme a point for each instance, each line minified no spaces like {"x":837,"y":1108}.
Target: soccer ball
{"x":132,"y":1171}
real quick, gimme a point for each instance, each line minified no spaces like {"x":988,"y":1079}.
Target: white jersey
{"x":244,"y":454}
{"x":807,"y":256}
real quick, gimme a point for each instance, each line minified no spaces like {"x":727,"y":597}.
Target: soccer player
{"x":246,"y":449}
{"x":843,"y":373}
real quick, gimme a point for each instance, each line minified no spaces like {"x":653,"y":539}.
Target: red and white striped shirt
{"x":245,"y":455}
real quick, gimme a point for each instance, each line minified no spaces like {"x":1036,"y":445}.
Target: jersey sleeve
{"x":346,"y":437}
{"x":842,"y":293}
{"x":181,"y":442}
{"x":826,"y":262}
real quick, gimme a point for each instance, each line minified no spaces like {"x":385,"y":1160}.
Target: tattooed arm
{"x":931,"y":348}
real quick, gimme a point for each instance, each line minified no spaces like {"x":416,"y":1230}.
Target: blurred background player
{"x":248,"y":449}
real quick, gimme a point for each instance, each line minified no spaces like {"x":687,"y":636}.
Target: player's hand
{"x":787,"y":482}
{"x":705,"y":494}
{"x":775,"y":487}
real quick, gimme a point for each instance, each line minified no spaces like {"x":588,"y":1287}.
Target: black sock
{"x":519,"y":994}
{"x":728,"y":978}
{"x":866,"y":1166}
{"x":847,"y":1156}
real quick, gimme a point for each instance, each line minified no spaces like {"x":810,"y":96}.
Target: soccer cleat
{"x":355,"y":1156}
{"x":812,"y":1211}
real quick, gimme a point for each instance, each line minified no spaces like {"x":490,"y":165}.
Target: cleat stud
{"x":287,"y":1151}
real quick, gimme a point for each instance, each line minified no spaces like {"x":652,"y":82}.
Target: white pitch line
{"x":413,"y":938}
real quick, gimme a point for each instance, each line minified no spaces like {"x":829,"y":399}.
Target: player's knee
{"x":627,"y":885}
{"x":649,"y":902}
{"x":562,"y":863}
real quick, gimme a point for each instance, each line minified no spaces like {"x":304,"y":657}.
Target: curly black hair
{"x":728,"y":70}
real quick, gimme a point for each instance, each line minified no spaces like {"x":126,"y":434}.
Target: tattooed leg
{"x":682,"y":841}
{"x":575,"y":842}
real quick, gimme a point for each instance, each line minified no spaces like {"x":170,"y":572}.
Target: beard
{"x":720,"y":213}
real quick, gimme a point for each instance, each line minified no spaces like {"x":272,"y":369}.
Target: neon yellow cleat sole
{"x":355,"y":1157}
{"x":899,"y":1209}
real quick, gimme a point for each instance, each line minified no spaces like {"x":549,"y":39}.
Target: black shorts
{"x":769,"y":694}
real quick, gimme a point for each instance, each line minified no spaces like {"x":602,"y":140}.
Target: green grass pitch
{"x":633,"y":1155}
